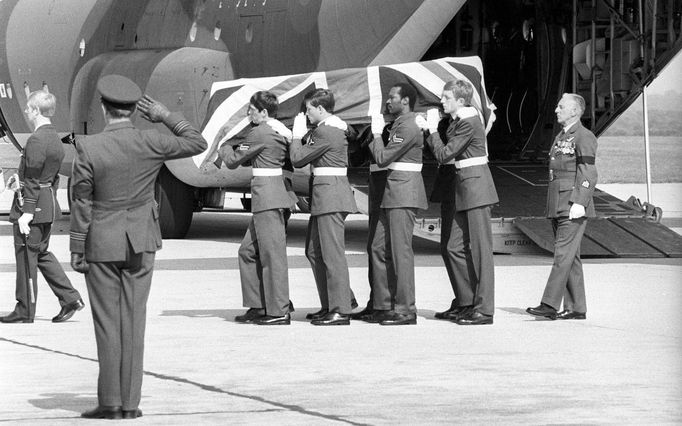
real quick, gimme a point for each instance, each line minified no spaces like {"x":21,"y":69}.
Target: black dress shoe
{"x":14,"y":317}
{"x":543,"y":310}
{"x":102,"y":412}
{"x":316,"y":315}
{"x":68,"y":310}
{"x":458,"y":312}
{"x":332,"y":318}
{"x":441,"y":315}
{"x":361,"y":314}
{"x":475,"y":318}
{"x":131,"y":414}
{"x":272,"y":320}
{"x":251,"y":315}
{"x":395,"y":318}
{"x":571,"y":315}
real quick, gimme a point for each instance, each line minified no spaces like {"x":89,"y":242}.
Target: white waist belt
{"x":329,"y":171}
{"x":266,"y":172}
{"x":468,"y":162}
{"x":406,"y":167}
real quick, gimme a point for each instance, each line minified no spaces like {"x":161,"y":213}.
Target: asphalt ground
{"x":621,"y":365}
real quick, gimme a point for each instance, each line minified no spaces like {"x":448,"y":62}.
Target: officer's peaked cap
{"x":118,"y":89}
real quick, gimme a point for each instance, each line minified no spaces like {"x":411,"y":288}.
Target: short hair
{"x":579,"y":102}
{"x":116,"y":110}
{"x":44,"y":101}
{"x":460,"y":89}
{"x":265,"y":100}
{"x":407,"y":91}
{"x":321,"y":97}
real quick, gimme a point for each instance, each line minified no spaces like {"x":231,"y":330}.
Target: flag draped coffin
{"x":359,"y":93}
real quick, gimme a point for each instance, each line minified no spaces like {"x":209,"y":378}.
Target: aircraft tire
{"x":176,"y":204}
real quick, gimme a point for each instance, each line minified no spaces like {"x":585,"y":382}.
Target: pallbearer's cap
{"x":118,"y":89}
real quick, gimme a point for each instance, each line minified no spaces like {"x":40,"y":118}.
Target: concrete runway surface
{"x":621,"y":365}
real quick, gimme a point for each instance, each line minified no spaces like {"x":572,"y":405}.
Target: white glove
{"x":576,"y":212}
{"x":421,"y":122}
{"x":432,"y":119}
{"x":378,"y":124}
{"x":300,"y":128}
{"x":23,"y":222}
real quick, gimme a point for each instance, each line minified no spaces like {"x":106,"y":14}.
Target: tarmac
{"x":622,"y":365}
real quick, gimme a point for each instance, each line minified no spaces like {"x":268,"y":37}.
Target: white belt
{"x":266,"y":171}
{"x":468,"y":162}
{"x":46,"y":185}
{"x":328,"y":171}
{"x":375,"y":168}
{"x":406,"y":167}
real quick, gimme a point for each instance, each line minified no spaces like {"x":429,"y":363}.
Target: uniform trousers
{"x":118,"y":298}
{"x":468,"y":255}
{"x":397,"y":292}
{"x":325,"y":248}
{"x":380,"y":265}
{"x":263,"y":266}
{"x":566,"y":278}
{"x":39,"y":257}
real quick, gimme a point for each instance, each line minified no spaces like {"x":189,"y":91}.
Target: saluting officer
{"x":39,"y":180}
{"x":262,"y":254}
{"x":115,"y":232}
{"x":470,"y":244}
{"x":326,"y":150}
{"x":403,"y":196}
{"x":572,"y":179}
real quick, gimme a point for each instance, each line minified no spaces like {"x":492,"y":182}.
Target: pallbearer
{"x":403,"y":196}
{"x":263,"y":265}
{"x":470,"y":244}
{"x":326,"y":150}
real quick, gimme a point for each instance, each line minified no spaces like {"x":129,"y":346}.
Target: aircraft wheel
{"x":176,"y":204}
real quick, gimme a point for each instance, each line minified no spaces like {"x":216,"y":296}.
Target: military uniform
{"x":470,"y":234}
{"x":115,"y":223}
{"x":326,"y":150}
{"x":403,"y":196}
{"x":572,"y":179}
{"x":39,"y":176}
{"x":262,"y":254}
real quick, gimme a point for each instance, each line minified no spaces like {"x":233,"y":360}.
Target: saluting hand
{"x":78,"y":263}
{"x":152,"y":110}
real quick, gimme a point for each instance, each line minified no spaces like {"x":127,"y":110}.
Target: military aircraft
{"x":531,"y":52}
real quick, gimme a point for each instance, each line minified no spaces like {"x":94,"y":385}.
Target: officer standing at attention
{"x":404,"y":194}
{"x":115,"y":232}
{"x":572,"y":179}
{"x":326,"y":150}
{"x":39,"y":175}
{"x":470,"y":242}
{"x":263,"y":251}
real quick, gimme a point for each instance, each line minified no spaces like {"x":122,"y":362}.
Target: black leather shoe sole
{"x":542,"y":313}
{"x":17,"y":321}
{"x":268,"y":320}
{"x":571,"y":316}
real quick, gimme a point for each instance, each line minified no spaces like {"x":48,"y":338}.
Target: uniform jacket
{"x":39,"y":176}
{"x":443,"y":187}
{"x":266,"y":146}
{"x":474,"y":186}
{"x":326,"y":146}
{"x":405,"y":144}
{"x":572,"y":171}
{"x":113,"y":187}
